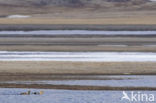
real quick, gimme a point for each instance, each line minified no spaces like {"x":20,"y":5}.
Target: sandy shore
{"x":52,"y":67}
{"x":77,"y":48}
{"x":142,"y":20}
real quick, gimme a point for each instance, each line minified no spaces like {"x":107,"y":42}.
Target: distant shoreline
{"x":8,"y":80}
{"x":75,"y":87}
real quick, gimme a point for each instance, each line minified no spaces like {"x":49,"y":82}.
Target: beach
{"x":17,"y":67}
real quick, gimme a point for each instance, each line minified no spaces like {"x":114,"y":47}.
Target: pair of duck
{"x":29,"y":93}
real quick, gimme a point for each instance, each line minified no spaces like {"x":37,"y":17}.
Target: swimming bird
{"x":26,"y":93}
{"x":38,"y":93}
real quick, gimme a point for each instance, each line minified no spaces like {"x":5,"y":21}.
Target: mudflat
{"x":76,"y":87}
{"x":52,"y":70}
{"x":145,"y":20}
{"x":58,"y":67}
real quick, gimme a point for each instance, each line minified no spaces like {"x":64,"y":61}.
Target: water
{"x":78,"y":56}
{"x":77,"y":32}
{"x":118,"y":81}
{"x":67,"y":96}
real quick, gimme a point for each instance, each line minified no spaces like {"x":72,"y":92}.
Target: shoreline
{"x":35,"y":77}
{"x":63,"y":76}
{"x":75,"y":87}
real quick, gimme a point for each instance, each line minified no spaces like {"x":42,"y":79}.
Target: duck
{"x":26,"y":93}
{"x":38,"y":93}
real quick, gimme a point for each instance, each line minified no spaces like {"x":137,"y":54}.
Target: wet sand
{"x":14,"y":82}
{"x":52,"y":67}
{"x":75,"y":87}
{"x":51,"y":70}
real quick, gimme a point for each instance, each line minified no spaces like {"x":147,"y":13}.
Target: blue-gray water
{"x":77,"y":32}
{"x":115,"y":81}
{"x":69,"y":96}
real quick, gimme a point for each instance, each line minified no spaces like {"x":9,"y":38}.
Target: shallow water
{"x":78,"y":56}
{"x":77,"y":32}
{"x":118,"y":81}
{"x":66,"y":96}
